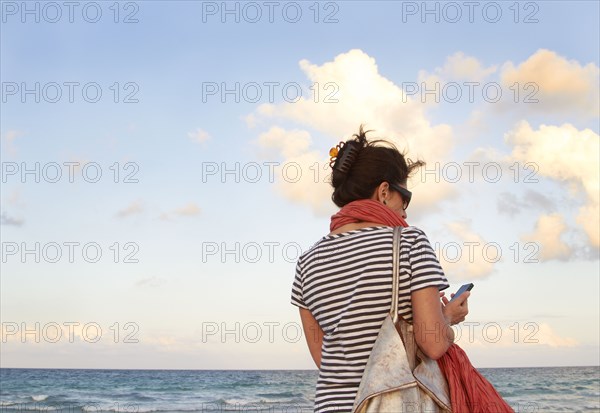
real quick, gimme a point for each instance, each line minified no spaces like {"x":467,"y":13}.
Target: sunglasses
{"x":405,"y":193}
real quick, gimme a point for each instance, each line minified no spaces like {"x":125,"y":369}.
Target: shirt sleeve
{"x":426,"y":270}
{"x":297,"y":294}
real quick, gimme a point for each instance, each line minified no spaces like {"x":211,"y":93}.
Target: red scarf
{"x":469,"y":390}
{"x":366,"y":210}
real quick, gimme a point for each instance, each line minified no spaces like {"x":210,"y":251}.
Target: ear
{"x":382,"y":192}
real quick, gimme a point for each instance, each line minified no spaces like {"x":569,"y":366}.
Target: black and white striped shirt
{"x":345,"y":280}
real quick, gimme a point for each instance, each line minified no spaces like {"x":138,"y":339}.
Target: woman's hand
{"x":456,"y":311}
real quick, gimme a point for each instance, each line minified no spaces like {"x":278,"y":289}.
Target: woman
{"x":343,"y":283}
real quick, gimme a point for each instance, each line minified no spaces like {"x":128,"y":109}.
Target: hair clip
{"x":333,"y":153}
{"x":348,"y":154}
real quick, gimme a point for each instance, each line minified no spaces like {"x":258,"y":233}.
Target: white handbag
{"x":398,"y":377}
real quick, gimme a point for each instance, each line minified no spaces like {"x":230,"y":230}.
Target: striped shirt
{"x":345,"y":281}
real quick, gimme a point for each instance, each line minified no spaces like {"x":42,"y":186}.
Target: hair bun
{"x":360,"y":165}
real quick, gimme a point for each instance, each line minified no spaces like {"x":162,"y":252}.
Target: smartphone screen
{"x":462,"y":289}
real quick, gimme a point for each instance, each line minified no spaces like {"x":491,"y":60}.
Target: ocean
{"x":548,"y":389}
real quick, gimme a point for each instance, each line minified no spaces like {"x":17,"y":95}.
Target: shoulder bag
{"x":398,"y":377}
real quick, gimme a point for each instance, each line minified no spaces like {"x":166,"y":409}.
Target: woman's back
{"x":345,"y":281}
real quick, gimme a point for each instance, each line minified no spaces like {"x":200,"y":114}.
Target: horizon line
{"x":315,"y":370}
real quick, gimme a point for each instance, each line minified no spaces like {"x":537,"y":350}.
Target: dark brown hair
{"x":370,"y":163}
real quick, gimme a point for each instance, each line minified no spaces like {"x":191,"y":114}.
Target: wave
{"x":282,"y":394}
{"x":125,"y":408}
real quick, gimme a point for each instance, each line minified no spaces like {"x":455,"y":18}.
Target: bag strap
{"x":395,"y":271}
{"x":404,"y":328}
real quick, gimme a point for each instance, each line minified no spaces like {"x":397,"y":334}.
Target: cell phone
{"x":462,"y":289}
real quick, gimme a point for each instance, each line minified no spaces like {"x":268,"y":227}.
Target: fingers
{"x":462,"y":299}
{"x":457,"y":320}
{"x":458,"y":315}
{"x":457,"y":310}
{"x":462,"y":302}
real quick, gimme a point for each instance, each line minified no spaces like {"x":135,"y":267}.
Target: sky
{"x":164,"y":164}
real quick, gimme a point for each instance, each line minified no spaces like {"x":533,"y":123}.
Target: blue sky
{"x":174,"y":294}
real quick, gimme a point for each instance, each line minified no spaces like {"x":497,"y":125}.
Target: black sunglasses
{"x":405,"y":193}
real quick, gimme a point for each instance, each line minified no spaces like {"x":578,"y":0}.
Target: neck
{"x":365,"y":212}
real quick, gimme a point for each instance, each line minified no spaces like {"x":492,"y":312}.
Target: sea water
{"x":548,"y":389}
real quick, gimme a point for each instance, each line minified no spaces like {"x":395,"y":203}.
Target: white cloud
{"x":288,"y":143}
{"x":199,"y":135}
{"x":132,"y":209}
{"x":490,"y":334}
{"x":302,"y":178}
{"x":570,"y":157}
{"x":547,"y":234}
{"x":14,"y":199}
{"x":468,"y":259}
{"x":190,"y":209}
{"x":563,"y":85}
{"x":457,"y":68}
{"x":547,"y":336}
{"x":150,"y":282}
{"x":363,"y":96}
{"x":10,"y":137}
{"x":7,"y":220}
{"x":80,"y":344}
